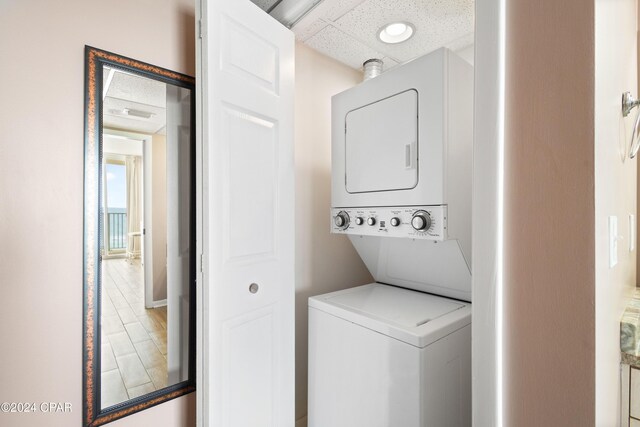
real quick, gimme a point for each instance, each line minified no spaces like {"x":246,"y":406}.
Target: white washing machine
{"x":384,"y":356}
{"x":397,"y":353}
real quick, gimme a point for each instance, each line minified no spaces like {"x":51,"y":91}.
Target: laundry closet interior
{"x":336,"y":139}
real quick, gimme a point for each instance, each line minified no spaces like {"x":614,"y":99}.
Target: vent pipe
{"x":372,"y":68}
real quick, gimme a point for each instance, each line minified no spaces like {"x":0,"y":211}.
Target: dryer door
{"x":382,"y":145}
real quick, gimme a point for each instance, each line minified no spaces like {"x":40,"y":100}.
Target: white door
{"x":178,"y":233}
{"x":245,"y":82}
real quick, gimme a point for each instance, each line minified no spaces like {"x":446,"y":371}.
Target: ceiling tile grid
{"x":347,"y":29}
{"x":335,"y":9}
{"x":334,"y":43}
{"x":304,"y":33}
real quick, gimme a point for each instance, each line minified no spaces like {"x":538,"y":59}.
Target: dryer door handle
{"x":409,"y":162}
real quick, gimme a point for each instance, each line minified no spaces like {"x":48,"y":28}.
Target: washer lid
{"x":414,"y":317}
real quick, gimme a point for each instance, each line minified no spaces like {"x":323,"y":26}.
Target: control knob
{"x":359,"y":220}
{"x":421,"y":221}
{"x":371,"y":221}
{"x":395,"y":221}
{"x":341,"y":220}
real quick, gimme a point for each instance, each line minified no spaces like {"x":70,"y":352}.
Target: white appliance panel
{"x":396,"y":305}
{"x":436,"y":267}
{"x":415,"y":318}
{"x":361,"y":377}
{"x":443,"y":85}
{"x":358,"y":377}
{"x":439,"y":79}
{"x":393,"y":221}
{"x":371,"y":186}
{"x":381,"y":142}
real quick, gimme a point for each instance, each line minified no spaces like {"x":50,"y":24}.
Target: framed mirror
{"x":139,"y":236}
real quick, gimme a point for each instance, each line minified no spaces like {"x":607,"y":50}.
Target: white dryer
{"x":401,"y":151}
{"x":383,"y":356}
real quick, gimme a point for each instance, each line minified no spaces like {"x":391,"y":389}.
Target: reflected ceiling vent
{"x":138,"y":113}
{"x":132,"y":113}
{"x":372,"y":68}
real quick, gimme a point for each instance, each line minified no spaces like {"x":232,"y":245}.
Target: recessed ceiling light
{"x":396,"y":32}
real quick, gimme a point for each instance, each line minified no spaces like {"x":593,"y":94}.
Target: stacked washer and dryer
{"x":397,"y":352}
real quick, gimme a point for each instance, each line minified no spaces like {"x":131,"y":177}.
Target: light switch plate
{"x":613,"y":241}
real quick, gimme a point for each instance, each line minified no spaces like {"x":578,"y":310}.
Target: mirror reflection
{"x":145,"y":227}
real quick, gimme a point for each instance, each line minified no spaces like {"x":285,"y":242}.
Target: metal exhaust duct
{"x":372,"y":68}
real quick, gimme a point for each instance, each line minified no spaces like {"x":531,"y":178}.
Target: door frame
{"x":488,"y":214}
{"x":147,"y":249}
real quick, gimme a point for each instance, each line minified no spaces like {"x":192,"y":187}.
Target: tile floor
{"x":134,"y":338}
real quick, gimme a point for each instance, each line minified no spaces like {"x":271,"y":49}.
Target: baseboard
{"x":302,"y":422}
{"x":159,"y":303}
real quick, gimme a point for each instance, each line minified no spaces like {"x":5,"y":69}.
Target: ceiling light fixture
{"x":396,"y":32}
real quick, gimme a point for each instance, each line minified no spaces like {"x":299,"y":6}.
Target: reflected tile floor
{"x":134,"y":338}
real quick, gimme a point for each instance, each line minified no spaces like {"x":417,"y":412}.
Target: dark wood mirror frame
{"x":93,"y":415}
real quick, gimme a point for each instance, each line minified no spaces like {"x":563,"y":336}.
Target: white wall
{"x":324,"y":262}
{"x":615,"y":191}
{"x":41,"y":187}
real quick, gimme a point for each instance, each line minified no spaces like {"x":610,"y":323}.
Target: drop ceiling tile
{"x":139,"y":89}
{"x":336,"y":44}
{"x":437,"y":23}
{"x":322,"y":15}
{"x":310,"y":30}
{"x":335,"y":9}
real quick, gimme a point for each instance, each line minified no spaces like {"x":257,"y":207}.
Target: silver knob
{"x":359,"y":220}
{"x":371,"y":221}
{"x":421,"y":221}
{"x":395,"y":221}
{"x":341,"y":220}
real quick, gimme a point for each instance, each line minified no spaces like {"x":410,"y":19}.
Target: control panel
{"x":416,"y":222}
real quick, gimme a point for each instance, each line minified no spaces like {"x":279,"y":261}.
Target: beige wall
{"x":615,"y":191}
{"x":324,"y":262}
{"x":159,"y":215}
{"x":549,"y":252}
{"x":41,"y":181}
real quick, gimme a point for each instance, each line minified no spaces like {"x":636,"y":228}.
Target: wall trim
{"x":159,"y":303}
